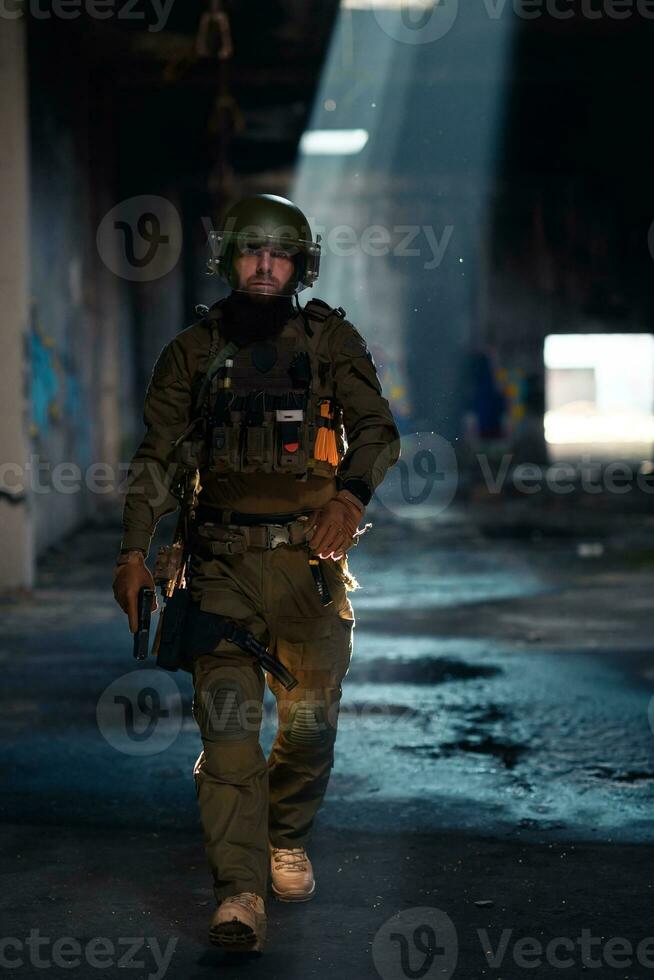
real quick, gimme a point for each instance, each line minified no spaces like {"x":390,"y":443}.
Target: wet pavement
{"x":494,"y":747}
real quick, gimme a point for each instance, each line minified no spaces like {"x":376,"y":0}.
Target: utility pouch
{"x":290,"y":456}
{"x":256,"y":440}
{"x":210,"y":540}
{"x":258,"y":447}
{"x":171,"y":655}
{"x":236,"y":447}
{"x":222,"y":437}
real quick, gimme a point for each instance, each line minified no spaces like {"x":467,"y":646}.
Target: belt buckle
{"x":277,"y":534}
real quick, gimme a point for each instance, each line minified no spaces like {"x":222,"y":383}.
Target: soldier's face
{"x":264,"y":272}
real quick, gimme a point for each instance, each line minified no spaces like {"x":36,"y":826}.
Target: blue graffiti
{"x":45,"y":382}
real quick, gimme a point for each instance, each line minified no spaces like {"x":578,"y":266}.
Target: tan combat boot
{"x":239,"y":924}
{"x":292,"y":874}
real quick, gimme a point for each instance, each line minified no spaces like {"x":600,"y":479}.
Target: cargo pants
{"x":247,"y":801}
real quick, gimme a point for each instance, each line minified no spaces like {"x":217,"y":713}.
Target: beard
{"x":248,"y":317}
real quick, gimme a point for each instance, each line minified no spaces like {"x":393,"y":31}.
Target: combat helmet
{"x":265,"y":220}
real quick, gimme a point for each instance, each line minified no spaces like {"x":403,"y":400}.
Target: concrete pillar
{"x":17,"y":551}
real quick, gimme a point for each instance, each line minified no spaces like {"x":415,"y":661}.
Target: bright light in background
{"x":325,"y":141}
{"x":599,"y":395}
{"x":402,"y":146}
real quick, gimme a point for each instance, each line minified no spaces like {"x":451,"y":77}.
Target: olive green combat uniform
{"x":245,"y":800}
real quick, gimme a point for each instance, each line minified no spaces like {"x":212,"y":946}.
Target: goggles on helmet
{"x":226,"y":246}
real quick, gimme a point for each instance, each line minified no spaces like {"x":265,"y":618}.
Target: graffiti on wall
{"x":56,"y":395}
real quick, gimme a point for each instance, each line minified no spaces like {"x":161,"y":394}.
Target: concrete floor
{"x":494,"y":747}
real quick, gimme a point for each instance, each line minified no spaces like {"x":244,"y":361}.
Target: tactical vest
{"x":271,"y":408}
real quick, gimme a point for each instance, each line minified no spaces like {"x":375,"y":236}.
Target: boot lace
{"x":290,"y":858}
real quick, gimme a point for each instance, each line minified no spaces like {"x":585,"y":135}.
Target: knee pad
{"x":308,"y":725}
{"x":220,"y":711}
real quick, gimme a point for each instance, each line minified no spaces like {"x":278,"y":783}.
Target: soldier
{"x":290,"y":439}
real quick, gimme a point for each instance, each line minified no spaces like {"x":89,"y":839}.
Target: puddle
{"x":508,"y":753}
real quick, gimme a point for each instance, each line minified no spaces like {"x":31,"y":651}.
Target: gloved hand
{"x":129,"y":578}
{"x":335,"y":525}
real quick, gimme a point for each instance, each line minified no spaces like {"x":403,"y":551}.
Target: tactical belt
{"x":219,"y":532}
{"x":216,"y":515}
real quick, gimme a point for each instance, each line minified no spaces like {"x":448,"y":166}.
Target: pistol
{"x":142,"y":635}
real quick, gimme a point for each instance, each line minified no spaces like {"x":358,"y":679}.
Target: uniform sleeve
{"x":372,"y":435}
{"x":166,"y":414}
